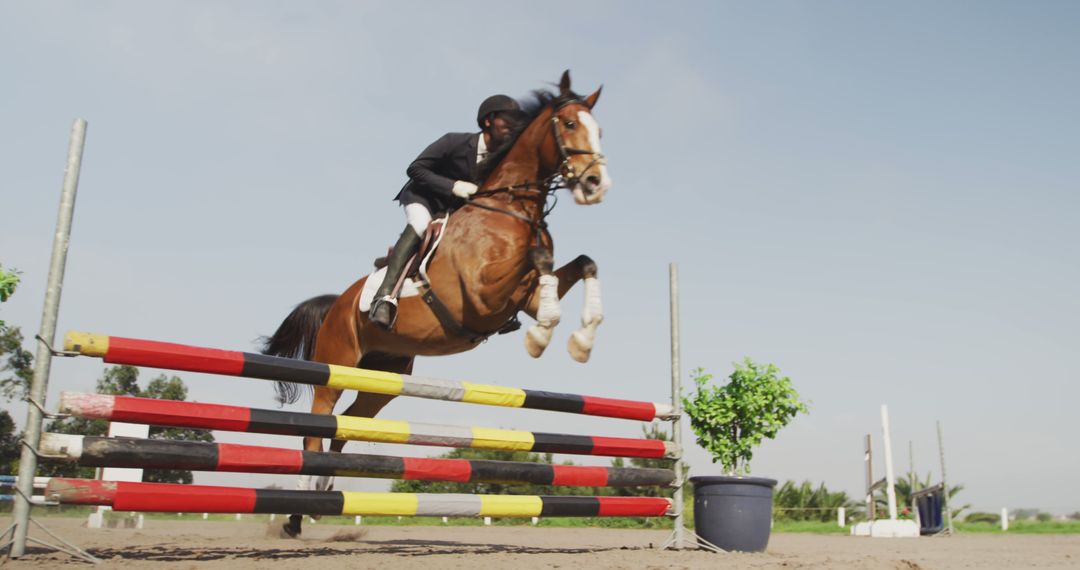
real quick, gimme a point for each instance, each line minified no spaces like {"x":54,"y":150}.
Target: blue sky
{"x":879,"y":198}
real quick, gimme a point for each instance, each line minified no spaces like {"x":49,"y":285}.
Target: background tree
{"x":9,"y":280}
{"x":1024,"y":514}
{"x":804,"y":502}
{"x":15,"y":374}
{"x":17,"y":367}
{"x":9,"y":444}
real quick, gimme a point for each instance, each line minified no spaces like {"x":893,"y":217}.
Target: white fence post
{"x":1004,"y":519}
{"x":841,"y":517}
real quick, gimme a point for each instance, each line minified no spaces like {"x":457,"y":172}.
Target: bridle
{"x":567,"y":170}
{"x":565,"y":176}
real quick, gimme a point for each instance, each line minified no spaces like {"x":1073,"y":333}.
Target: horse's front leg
{"x":592,"y":314}
{"x":543,"y":304}
{"x":550,"y":290}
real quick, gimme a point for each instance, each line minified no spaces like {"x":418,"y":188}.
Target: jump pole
{"x":172,"y":356}
{"x":165,"y":497}
{"x":175,"y":413}
{"x":92,"y":451}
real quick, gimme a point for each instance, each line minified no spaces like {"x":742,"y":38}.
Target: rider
{"x":440,"y":180}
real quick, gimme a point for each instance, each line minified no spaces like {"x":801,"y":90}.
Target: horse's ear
{"x":590,"y":101}
{"x":564,"y":83}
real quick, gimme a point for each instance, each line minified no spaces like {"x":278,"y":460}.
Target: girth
{"x":452,"y":326}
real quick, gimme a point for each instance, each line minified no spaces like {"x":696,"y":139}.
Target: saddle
{"x":431,"y":239}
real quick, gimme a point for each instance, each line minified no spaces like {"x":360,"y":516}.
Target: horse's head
{"x":576,"y":136}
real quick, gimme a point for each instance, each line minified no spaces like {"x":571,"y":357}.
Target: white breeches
{"x":418,"y":217}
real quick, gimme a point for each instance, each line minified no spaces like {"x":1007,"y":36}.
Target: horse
{"x":495,"y":260}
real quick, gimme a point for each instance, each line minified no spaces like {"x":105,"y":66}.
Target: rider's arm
{"x":422,"y":170}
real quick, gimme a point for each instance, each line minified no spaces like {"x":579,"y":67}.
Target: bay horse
{"x":495,"y":259}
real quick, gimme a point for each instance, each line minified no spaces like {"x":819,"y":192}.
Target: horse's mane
{"x":530,"y":109}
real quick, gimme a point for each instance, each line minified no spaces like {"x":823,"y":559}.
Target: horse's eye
{"x":571,"y":125}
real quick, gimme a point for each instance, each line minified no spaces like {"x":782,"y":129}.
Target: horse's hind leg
{"x":338,"y":343}
{"x":592,"y":314}
{"x":581,"y":340}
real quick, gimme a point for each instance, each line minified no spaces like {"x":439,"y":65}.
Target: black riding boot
{"x":384,"y":307}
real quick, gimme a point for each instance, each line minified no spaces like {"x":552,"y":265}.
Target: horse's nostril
{"x":593,"y":180}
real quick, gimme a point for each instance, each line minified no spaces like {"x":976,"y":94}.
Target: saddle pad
{"x":410,"y":288}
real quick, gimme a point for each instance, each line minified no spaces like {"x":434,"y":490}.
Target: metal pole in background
{"x":43,"y":359}
{"x":944,"y":485}
{"x":676,"y":401}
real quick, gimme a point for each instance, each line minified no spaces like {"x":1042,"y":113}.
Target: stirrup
{"x":391,"y":304}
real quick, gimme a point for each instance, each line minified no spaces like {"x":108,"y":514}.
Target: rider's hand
{"x":463,"y":189}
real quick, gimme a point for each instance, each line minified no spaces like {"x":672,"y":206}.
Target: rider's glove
{"x":463,"y":189}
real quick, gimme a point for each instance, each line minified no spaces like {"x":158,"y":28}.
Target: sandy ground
{"x":242,"y":545}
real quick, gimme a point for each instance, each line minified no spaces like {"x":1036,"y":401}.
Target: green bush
{"x":983,"y":518}
{"x":732,"y":419}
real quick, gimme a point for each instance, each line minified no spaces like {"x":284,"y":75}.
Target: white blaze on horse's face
{"x":594,"y":181}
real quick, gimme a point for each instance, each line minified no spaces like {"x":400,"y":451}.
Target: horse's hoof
{"x":537,"y":340}
{"x":579,"y":346}
{"x":291,"y":529}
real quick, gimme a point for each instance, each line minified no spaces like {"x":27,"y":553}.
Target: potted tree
{"x":734,"y":511}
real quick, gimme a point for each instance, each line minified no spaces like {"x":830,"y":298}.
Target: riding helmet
{"x":496,"y":104}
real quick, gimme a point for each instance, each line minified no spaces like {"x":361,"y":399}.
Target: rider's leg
{"x":384,"y":308}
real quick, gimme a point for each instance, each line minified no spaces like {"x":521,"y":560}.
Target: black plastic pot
{"x":734,"y":513}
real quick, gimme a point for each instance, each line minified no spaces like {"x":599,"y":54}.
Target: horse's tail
{"x":295,"y":338}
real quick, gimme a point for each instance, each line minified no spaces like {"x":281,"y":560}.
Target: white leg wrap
{"x":324,"y":483}
{"x":548,"y":314}
{"x":303,"y":483}
{"x":581,"y":341}
{"x":593,"y":313}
